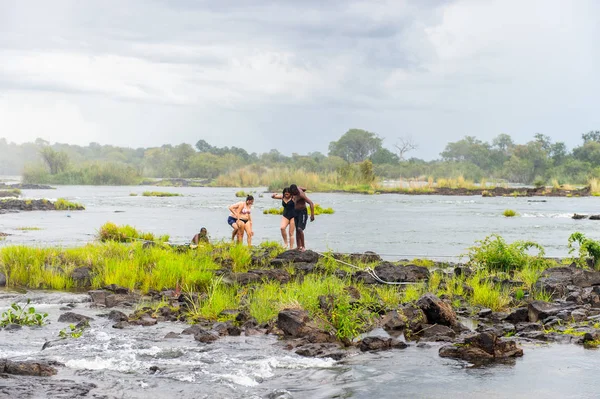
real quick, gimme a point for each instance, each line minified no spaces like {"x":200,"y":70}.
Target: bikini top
{"x":245,"y":210}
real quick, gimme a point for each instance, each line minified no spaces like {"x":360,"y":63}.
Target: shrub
{"x":509,"y":213}
{"x":493,"y":253}
{"x":588,"y":249}
{"x":111,"y":232}
{"x":62,"y":204}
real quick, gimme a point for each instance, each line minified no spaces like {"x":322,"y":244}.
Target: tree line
{"x":538,"y":160}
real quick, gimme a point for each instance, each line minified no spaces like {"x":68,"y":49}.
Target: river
{"x":118,"y":362}
{"x":396,"y":226}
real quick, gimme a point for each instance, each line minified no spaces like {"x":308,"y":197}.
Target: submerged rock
{"x":380,"y":343}
{"x":322,"y":350}
{"x":70,"y":317}
{"x":30,"y":368}
{"x":482,"y":347}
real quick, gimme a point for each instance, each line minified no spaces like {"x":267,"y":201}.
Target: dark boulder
{"x":482,"y":347}
{"x":2,"y":280}
{"x":436,"y":332}
{"x":205,"y":336}
{"x":82,"y":276}
{"x":540,"y":310}
{"x":390,"y":272}
{"x":483,"y":313}
{"x":518,"y":315}
{"x":578,"y":216}
{"x":394,"y":321}
{"x":295,"y":256}
{"x":526,"y":327}
{"x":293,"y":322}
{"x":380,"y":343}
{"x":144,"y":321}
{"x":321,"y":350}
{"x":121,"y":325}
{"x":70,"y":317}
{"x":437,"y":311}
{"x":29,"y":368}
{"x":117,"y":289}
{"x":115,"y":315}
{"x":415,"y":317}
{"x":257,"y":276}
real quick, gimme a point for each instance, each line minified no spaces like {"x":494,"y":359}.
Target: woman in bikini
{"x":242,"y":220}
{"x":287,"y":220}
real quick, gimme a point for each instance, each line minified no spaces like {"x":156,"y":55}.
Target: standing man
{"x":301,"y":215}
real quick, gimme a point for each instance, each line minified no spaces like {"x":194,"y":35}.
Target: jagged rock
{"x":304,"y":268}
{"x":483,"y":313}
{"x":144,"y":321}
{"x":556,"y":280}
{"x":30,"y":368}
{"x":172,"y":335}
{"x":293,"y":322}
{"x":227,"y":328}
{"x":394,"y":321}
{"x":537,"y":335}
{"x":98,"y":297}
{"x":539,"y":310}
{"x":115,"y":315}
{"x":366,"y":257}
{"x":121,"y":325}
{"x":380,"y":343}
{"x":206,"y":336}
{"x":82,"y":276}
{"x":482,"y":347}
{"x":193,"y":330}
{"x":295,"y":256}
{"x":579,"y":315}
{"x":498,"y":329}
{"x":280,"y":394}
{"x":526,"y":327}
{"x":389,"y":272}
{"x":578,"y":216}
{"x":113,"y":300}
{"x":117,"y":289}
{"x":436,"y":332}
{"x":415,"y":317}
{"x":257,"y":276}
{"x":518,"y":315}
{"x":437,"y":311}
{"x":71,"y":317}
{"x":321,"y":350}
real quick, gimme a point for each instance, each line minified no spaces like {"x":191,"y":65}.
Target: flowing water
{"x":118,"y":362}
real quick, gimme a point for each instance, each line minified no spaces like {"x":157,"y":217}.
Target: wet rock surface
{"x":28,"y":368}
{"x":481,"y":348}
{"x":18,"y":205}
{"x":390,"y":272}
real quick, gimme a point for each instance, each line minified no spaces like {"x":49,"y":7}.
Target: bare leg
{"x":235,"y":231}
{"x":240,"y":231}
{"x":249,"y":233}
{"x":300,"y":239}
{"x":283,"y":226}
{"x":292,"y":230}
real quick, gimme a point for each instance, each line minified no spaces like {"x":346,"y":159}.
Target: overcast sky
{"x":295,"y":75}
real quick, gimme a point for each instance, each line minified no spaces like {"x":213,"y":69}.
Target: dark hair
{"x":249,"y":198}
{"x":286,"y":190}
{"x":203,"y":229}
{"x":293,"y":188}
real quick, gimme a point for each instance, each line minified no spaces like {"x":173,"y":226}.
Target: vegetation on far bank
{"x":209,"y":271}
{"x":537,"y":162}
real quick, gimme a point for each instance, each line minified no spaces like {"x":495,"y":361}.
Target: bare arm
{"x":277,"y":196}
{"x":235,"y":209}
{"x":309,"y":202}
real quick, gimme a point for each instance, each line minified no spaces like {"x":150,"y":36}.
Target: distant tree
{"x":404,"y":145}
{"x":544,"y":141}
{"x":591,"y":136}
{"x":384,"y":156}
{"x":588,"y":152}
{"x":504,"y":143}
{"x":469,"y":149}
{"x":203,"y":146}
{"x":356,"y":145}
{"x":57,"y":161}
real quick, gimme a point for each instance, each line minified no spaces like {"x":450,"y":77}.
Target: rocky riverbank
{"x":473,"y":333}
{"x":495,"y":191}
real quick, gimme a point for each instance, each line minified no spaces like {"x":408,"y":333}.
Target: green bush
{"x":22,"y":315}
{"x":509,"y":213}
{"x":111,"y":232}
{"x":62,"y":204}
{"x":494,"y":254}
{"x":588,"y":249}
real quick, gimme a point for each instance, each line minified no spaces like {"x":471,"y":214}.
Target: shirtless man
{"x":301,"y":216}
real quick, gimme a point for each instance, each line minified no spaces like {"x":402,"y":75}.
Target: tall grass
{"x":487,"y":294}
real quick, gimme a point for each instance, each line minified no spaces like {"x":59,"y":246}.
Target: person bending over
{"x":301,"y":215}
{"x":241,"y":212}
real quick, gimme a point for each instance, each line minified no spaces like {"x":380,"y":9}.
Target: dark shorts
{"x":231,"y":220}
{"x":301,"y":217}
